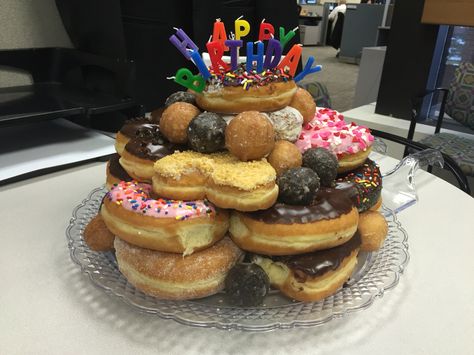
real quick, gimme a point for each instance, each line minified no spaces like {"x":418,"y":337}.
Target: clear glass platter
{"x":376,"y":272}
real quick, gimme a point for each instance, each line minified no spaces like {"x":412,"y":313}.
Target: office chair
{"x":458,"y":103}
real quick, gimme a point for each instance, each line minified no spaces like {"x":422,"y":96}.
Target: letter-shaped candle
{"x":234,"y":46}
{"x":242,"y":28}
{"x":251,"y":57}
{"x":216,"y":50}
{"x":291,"y":60}
{"x":273,"y":49}
{"x":183,"y":43}
{"x":307,"y":69}
{"x":197,"y":60}
{"x":219,"y":33}
{"x":285,"y":38}
{"x":266,"y":31}
{"x":186,"y":78}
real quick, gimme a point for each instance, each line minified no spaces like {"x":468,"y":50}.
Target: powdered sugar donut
{"x":160,"y":224}
{"x":350,"y":142}
{"x":287,"y":123}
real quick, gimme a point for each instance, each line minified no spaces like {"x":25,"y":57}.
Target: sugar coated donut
{"x":290,"y":229}
{"x":131,"y":129}
{"x":158,"y":224}
{"x":373,"y":230}
{"x":364,"y":185}
{"x":220,"y":177}
{"x":174,"y":277}
{"x":240,"y":91}
{"x":351,"y":143}
{"x":313,"y":276}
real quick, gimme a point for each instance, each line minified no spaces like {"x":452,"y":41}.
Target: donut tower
{"x":240,"y":183}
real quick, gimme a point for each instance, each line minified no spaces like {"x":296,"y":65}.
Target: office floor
{"x":340,"y":78}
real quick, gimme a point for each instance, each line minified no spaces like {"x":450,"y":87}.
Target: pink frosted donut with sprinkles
{"x":350,"y":142}
{"x":131,"y":213}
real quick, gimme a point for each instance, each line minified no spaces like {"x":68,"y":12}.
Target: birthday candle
{"x":216,"y":50}
{"x":183,"y":43}
{"x":251,"y":57}
{"x":234,"y":46}
{"x":197,"y":60}
{"x":285,"y":38}
{"x":291,"y":59}
{"x":242,"y":28}
{"x":273,"y":49}
{"x":186,"y":78}
{"x":219,"y":33}
{"x":307,"y":69}
{"x":266,"y":31}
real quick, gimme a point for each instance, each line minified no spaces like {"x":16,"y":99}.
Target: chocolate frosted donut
{"x":363,"y":185}
{"x":140,"y":154}
{"x":131,"y":129}
{"x":313,"y":276}
{"x":285,"y":229}
{"x":115,"y":172}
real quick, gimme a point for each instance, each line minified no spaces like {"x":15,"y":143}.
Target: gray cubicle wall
{"x":360,"y":29}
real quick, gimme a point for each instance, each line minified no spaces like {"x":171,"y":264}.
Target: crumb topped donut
{"x":174,"y":226}
{"x":222,"y":178}
{"x":174,"y":277}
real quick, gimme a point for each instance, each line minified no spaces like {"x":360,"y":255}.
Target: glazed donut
{"x":97,"y":236}
{"x":240,"y":91}
{"x":313,"y":276}
{"x":220,"y":177}
{"x":351,"y":143}
{"x":174,"y":277}
{"x":158,"y":224}
{"x":131,"y":129}
{"x":373,"y":230}
{"x":364,"y":186}
{"x":140,"y":154}
{"x":290,"y":229}
{"x":115,"y":172}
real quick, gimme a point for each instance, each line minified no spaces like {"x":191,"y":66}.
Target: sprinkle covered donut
{"x":350,"y":142}
{"x":175,"y":226}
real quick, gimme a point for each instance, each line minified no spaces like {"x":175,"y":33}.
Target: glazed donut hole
{"x":304,"y":103}
{"x":285,"y":155}
{"x":250,"y":136}
{"x":175,"y":120}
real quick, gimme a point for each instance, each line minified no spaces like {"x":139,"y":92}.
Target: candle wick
{"x":209,"y":40}
{"x":271,"y":34}
{"x":295,"y":29}
{"x":218,"y":19}
{"x":176,"y":29}
{"x":263,"y":20}
{"x":170,"y":77}
{"x":240,"y":17}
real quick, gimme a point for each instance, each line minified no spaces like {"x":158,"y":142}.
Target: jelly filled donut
{"x":174,"y":277}
{"x":131,"y":129}
{"x":364,"y":186}
{"x":313,"y":276}
{"x":285,"y":229}
{"x":141,"y":153}
{"x":174,"y":226}
{"x":349,"y":142}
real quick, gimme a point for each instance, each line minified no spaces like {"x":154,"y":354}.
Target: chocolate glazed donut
{"x":141,"y":153}
{"x":313,"y":276}
{"x":363,"y":185}
{"x":115,"y":172}
{"x":284,"y":229}
{"x":133,"y":128}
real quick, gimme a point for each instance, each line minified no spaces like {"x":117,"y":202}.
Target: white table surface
{"x":47,"y":306}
